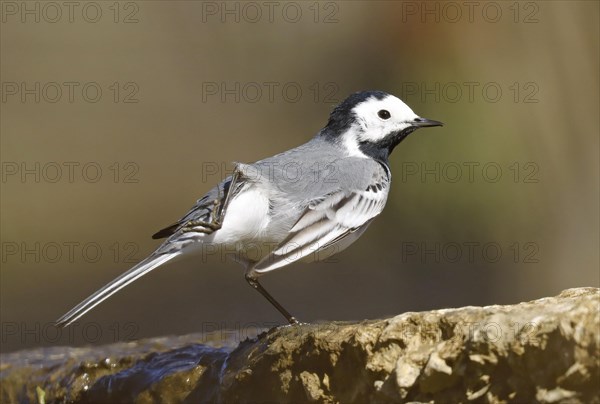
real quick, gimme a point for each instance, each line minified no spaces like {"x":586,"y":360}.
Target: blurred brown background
{"x":498,"y":206}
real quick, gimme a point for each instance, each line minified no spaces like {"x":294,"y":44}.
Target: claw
{"x":200,"y":226}
{"x":216,"y":216}
{"x":196,"y":230}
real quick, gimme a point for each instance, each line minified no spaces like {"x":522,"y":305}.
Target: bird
{"x":314,"y":199}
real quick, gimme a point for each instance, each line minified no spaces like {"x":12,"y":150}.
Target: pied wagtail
{"x":318,"y":197}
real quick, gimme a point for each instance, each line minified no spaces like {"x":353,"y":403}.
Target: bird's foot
{"x":200,"y":226}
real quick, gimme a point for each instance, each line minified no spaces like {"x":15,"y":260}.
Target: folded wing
{"x":326,"y":222}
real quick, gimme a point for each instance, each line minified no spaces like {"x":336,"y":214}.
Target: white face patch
{"x":351,"y":142}
{"x":372,"y":127}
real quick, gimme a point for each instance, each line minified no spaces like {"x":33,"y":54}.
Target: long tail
{"x":114,"y":286}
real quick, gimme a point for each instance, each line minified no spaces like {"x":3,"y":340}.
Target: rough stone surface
{"x":544,"y":351}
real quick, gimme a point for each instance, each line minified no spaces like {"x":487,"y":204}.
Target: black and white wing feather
{"x":327,"y":221}
{"x":202,"y":210}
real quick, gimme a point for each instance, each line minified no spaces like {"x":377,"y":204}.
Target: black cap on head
{"x":341,"y":118}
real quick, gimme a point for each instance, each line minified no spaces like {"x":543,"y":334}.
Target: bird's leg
{"x":217,"y":213}
{"x":253,"y":281}
{"x":201,"y":226}
{"x":208,"y":227}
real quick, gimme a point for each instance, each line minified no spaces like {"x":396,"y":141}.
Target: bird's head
{"x":372,"y":123}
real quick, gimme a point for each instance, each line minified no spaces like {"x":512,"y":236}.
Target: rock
{"x":543,"y":351}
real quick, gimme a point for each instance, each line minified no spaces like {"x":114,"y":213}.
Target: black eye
{"x":384,"y":114}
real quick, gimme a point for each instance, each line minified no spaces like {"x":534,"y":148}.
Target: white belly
{"x":246,"y":218}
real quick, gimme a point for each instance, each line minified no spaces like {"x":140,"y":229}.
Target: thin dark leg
{"x":217,"y":215}
{"x":254,"y":283}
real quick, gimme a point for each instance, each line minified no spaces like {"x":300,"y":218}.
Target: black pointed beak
{"x":423,"y":123}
